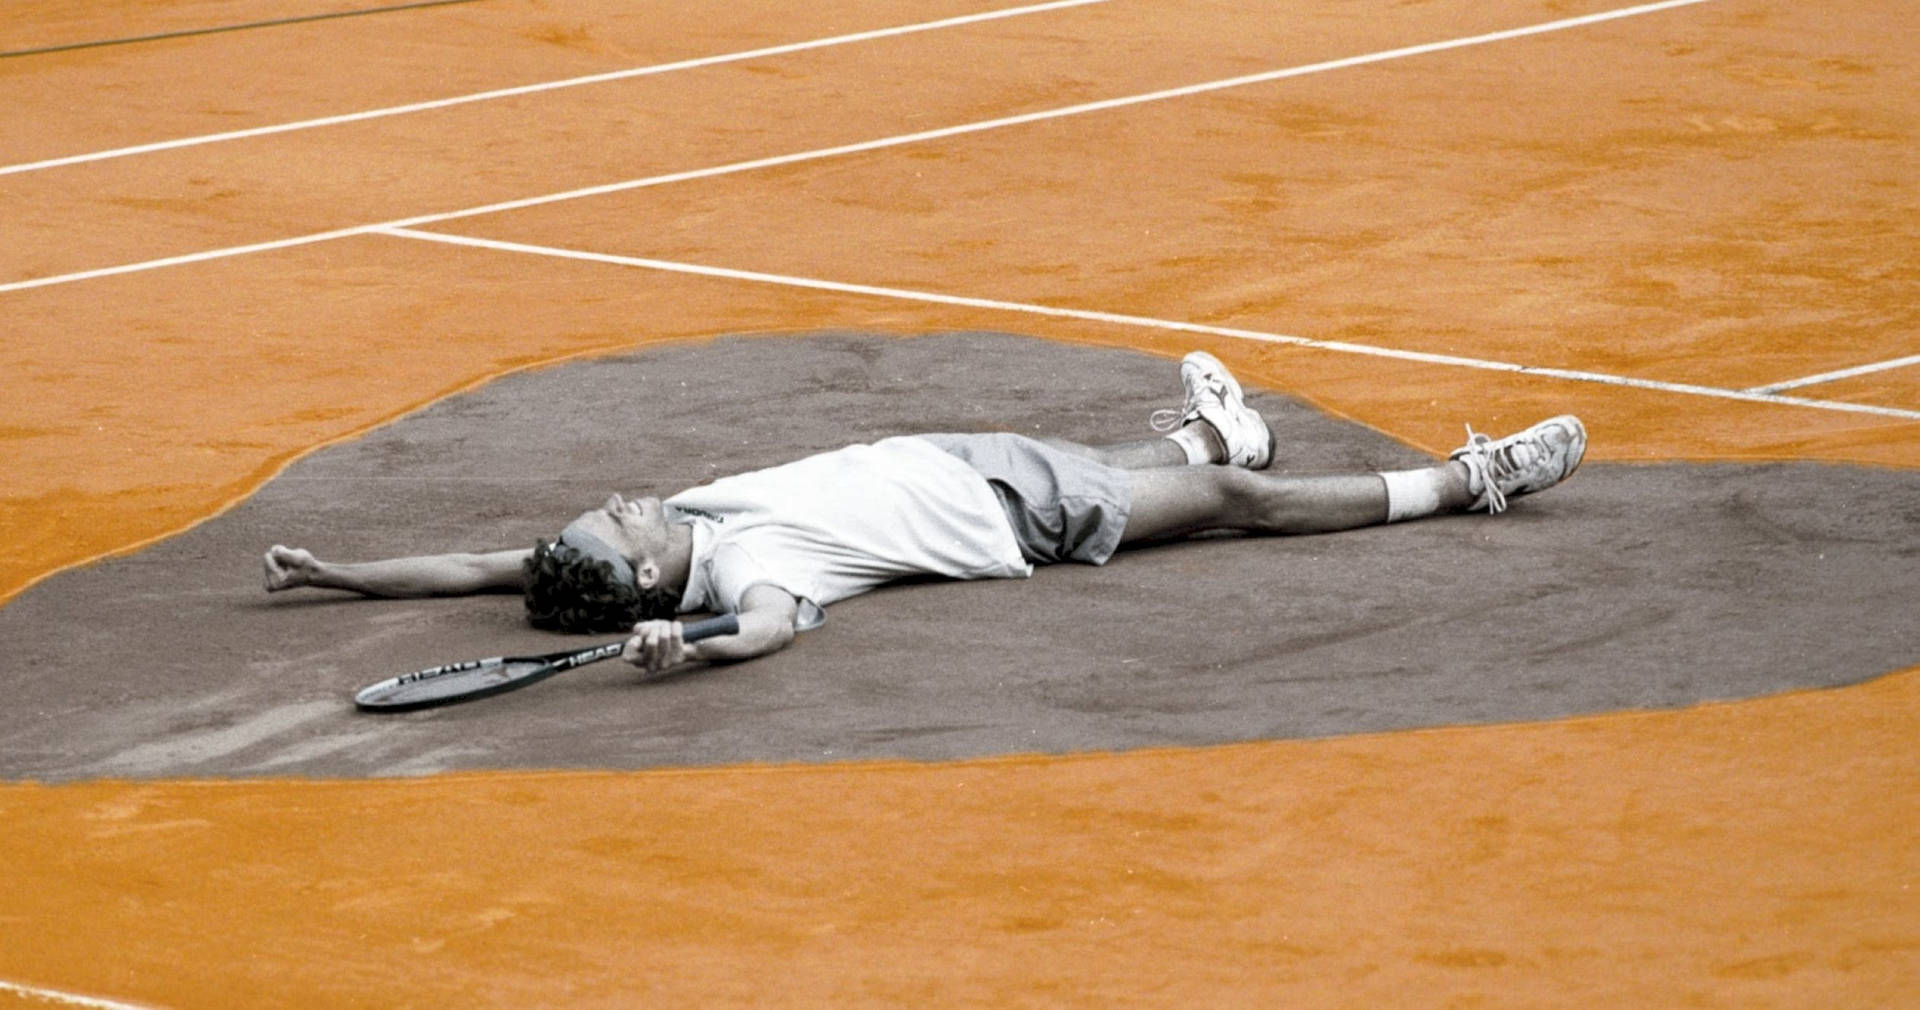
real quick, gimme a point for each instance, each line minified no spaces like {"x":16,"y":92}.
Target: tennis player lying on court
{"x":775,"y":546}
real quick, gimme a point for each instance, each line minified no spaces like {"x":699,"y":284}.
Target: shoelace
{"x":1483,"y":461}
{"x":1166,"y":419}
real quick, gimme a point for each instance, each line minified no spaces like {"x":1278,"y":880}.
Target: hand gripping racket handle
{"x":712,"y":627}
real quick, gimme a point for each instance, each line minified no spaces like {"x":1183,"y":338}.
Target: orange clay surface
{"x":1755,"y":855}
{"x":1719,"y":195}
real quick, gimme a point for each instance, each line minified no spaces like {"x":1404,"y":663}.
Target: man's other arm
{"x":425,"y":575}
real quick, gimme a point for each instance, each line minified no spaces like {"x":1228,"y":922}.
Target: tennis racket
{"x":478,"y":678}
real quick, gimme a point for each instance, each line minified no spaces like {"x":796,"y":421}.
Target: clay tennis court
{"x":379,"y":278}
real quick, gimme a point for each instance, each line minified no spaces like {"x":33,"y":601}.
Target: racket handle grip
{"x":712,"y":627}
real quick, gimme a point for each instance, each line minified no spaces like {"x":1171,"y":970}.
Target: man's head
{"x":604,"y":573}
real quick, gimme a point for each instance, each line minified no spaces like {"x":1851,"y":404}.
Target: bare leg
{"x":1172,"y":501}
{"x":1149,"y":454}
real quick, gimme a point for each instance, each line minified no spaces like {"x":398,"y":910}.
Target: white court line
{"x":1120,"y":319}
{"x":70,"y":999}
{"x":871,"y":145}
{"x":1844,"y":373}
{"x":529,"y":89}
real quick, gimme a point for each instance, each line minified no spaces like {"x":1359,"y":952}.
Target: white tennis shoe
{"x":1522,"y":463}
{"x":1215,"y":397}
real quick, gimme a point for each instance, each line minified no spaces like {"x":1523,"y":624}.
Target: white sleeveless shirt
{"x":840,"y":523}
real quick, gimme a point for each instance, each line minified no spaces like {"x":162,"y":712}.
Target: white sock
{"x":1190,"y":440}
{"x":1413,"y":493}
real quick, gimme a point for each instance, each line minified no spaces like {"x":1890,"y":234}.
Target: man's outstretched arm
{"x":426,"y":575}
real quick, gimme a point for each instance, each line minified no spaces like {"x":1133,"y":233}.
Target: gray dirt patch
{"x":1629,"y":587}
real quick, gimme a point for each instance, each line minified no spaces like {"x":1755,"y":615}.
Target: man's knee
{"x":1257,"y":501}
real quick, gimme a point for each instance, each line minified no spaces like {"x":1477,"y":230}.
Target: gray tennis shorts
{"x":1063,"y":507}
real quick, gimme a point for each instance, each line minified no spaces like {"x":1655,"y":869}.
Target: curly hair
{"x":568,"y":591}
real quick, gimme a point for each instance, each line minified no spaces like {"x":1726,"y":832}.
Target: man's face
{"x":636,"y":527}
